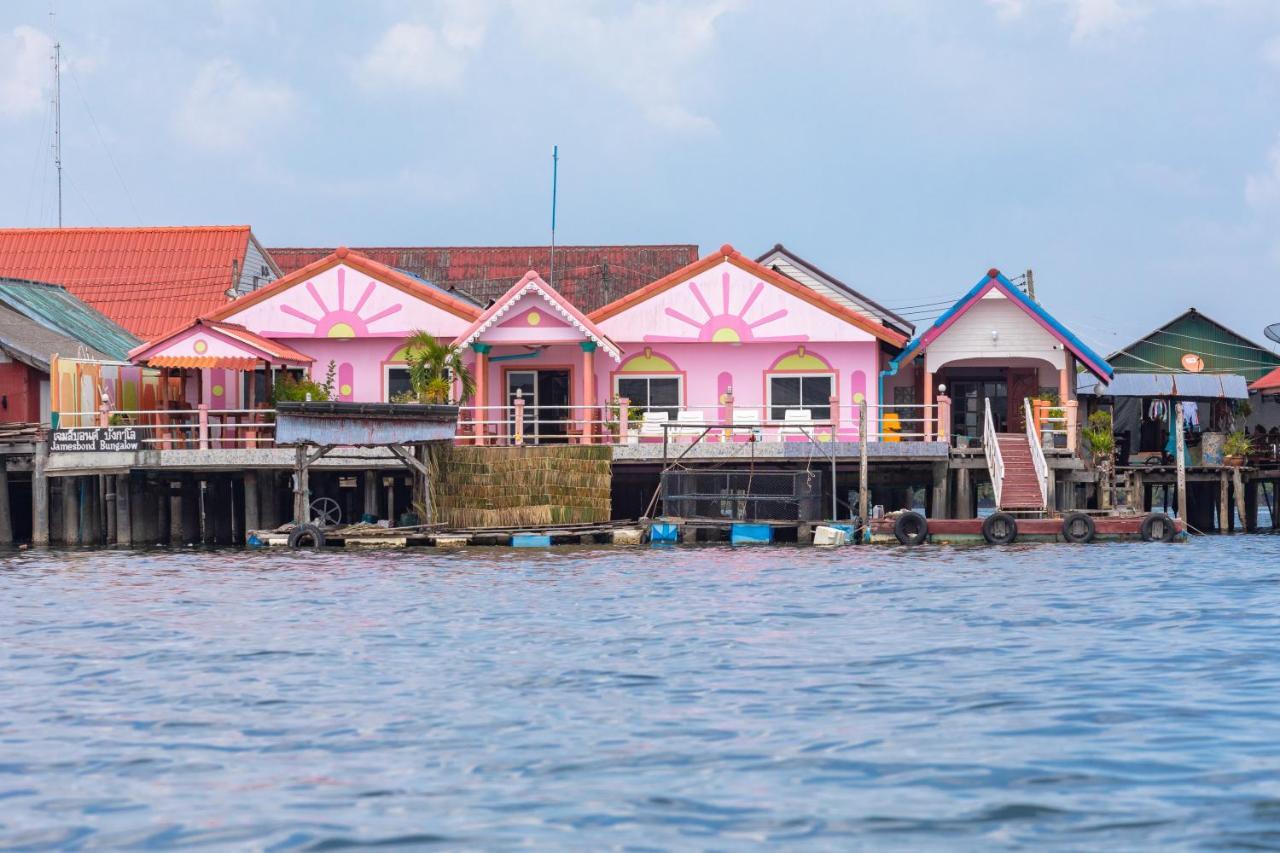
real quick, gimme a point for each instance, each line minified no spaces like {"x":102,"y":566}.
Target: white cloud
{"x":1092,"y":18}
{"x":651,"y":52}
{"x":26,"y":71}
{"x":226,"y":111}
{"x":1262,"y":190}
{"x":427,"y":55}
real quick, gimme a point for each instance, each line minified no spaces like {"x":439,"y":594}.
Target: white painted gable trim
{"x":533,"y":287}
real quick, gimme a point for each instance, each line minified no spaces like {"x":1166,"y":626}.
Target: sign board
{"x":94,"y":439}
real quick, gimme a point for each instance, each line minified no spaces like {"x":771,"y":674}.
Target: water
{"x":1104,"y":696}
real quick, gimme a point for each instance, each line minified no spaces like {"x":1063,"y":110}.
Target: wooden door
{"x":1024,"y":383}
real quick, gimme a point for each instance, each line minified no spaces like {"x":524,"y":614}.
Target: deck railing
{"x":519,"y":423}
{"x":1037,"y":453}
{"x":991,"y":445}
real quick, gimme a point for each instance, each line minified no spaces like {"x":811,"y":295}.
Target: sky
{"x":1128,"y":151}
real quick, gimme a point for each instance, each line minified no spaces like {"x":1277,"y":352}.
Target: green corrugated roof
{"x":53,"y":307}
{"x":1221,"y":349}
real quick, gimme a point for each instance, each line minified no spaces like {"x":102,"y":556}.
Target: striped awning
{"x":225,"y":362}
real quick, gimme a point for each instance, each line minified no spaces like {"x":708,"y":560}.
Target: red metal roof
{"x":148,"y":280}
{"x":1270,"y":382}
{"x":588,"y":276}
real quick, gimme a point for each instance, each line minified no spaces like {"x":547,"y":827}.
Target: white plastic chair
{"x":796,"y":422}
{"x":651,"y":425}
{"x":746,"y":422}
{"x":693,"y":423}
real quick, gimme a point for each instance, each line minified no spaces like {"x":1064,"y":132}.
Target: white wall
{"x":1019,"y":336}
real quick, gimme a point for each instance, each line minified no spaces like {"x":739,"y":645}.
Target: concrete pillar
{"x":1051,"y":489}
{"x":1251,"y":505}
{"x":1224,"y":502}
{"x":963,"y":488}
{"x":138,"y":502}
{"x":90,"y":512}
{"x":70,"y":510}
{"x":164,"y":508}
{"x":124,"y":512}
{"x":940,"y":498}
{"x":109,"y":505}
{"x":218,"y":509}
{"x":370,"y":481}
{"x":190,"y":510}
{"x":252,"y":515}
{"x":268,"y":499}
{"x":40,"y":496}
{"x":6,"y":520}
{"x":175,"y":514}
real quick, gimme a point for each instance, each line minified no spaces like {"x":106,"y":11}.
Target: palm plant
{"x":433,"y":367}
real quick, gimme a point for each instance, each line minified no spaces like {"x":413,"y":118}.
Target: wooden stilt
{"x":6,"y":520}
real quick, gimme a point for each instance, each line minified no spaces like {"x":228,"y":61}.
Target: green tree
{"x":433,"y":367}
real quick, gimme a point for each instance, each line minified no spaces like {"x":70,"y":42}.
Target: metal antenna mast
{"x":555,"y":166}
{"x":57,"y":113}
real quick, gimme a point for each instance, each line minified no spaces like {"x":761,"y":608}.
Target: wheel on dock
{"x":1000,"y":528}
{"x":1079,"y":528}
{"x":1158,"y":527}
{"x":911,"y":529}
{"x":306,"y":537}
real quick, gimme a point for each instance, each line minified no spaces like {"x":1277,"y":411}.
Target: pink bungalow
{"x":728,"y":340}
{"x":345,"y":309}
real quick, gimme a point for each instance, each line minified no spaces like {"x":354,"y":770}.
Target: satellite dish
{"x":1273,"y":332}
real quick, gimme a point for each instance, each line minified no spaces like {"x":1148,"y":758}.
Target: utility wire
{"x":103,"y":142}
{"x":35,"y":164}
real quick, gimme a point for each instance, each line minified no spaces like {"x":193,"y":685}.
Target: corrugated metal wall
{"x":1223,"y":351}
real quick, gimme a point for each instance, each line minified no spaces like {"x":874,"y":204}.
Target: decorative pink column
{"x":728,"y":414}
{"x":481,"y":403}
{"x":944,"y":417}
{"x":1071,"y":408}
{"x":588,"y":388}
{"x":624,"y":425}
{"x":518,"y":418}
{"x":834,"y":402}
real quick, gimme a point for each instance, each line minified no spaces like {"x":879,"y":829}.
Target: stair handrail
{"x":1037,"y":453}
{"x":991,"y":447}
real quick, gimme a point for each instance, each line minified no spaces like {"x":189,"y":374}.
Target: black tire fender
{"x":999,"y":528}
{"x":911,"y":528}
{"x":1158,"y":527}
{"x":1078,"y":527}
{"x":307,"y":537}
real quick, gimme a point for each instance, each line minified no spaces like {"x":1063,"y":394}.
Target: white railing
{"x":1037,"y":453}
{"x":991,"y":445}
{"x":613,"y":423}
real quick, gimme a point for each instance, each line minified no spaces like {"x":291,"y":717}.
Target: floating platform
{"x":368,"y":536}
{"x":969,"y":531}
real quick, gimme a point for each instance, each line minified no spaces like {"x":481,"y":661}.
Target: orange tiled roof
{"x":148,"y":280}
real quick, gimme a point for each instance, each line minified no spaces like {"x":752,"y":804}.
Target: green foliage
{"x":433,"y":367}
{"x":1237,"y":444}
{"x":613,"y":415}
{"x":289,"y":389}
{"x":1099,"y":436}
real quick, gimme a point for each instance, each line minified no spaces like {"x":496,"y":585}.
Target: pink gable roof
{"x":528,"y":298}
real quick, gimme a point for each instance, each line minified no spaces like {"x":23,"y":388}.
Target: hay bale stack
{"x":521,"y":486}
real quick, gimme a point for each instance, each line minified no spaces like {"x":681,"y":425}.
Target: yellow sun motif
{"x":534,"y":318}
{"x":345,"y":390}
{"x":217,"y":390}
{"x":726,"y":336}
{"x":200,"y":346}
{"x":341,"y":330}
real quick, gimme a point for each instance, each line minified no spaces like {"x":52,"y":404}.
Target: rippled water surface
{"x":1090,"y":697}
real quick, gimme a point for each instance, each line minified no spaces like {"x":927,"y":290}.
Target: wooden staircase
{"x":1020,"y":487}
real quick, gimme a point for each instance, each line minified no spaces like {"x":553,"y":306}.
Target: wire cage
{"x":723,"y":495}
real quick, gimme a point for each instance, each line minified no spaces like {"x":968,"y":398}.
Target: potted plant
{"x":293,"y":390}
{"x":1100,"y":439}
{"x":613,"y":420}
{"x":1236,"y":449}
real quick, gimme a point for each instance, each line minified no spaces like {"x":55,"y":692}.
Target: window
{"x":397,"y":382}
{"x":810,"y":391}
{"x":652,"y":393}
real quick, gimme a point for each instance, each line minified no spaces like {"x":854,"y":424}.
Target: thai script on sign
{"x":91,"y":439}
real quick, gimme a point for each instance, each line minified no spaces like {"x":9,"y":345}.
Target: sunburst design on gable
{"x":340,"y":321}
{"x":727,"y":325}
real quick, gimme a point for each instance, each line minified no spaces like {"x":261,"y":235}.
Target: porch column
{"x":928,"y":406}
{"x":944,"y":417}
{"x":481,"y":403}
{"x":1064,"y":386}
{"x":588,"y":388}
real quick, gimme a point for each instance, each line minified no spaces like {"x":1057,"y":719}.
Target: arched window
{"x":800,"y":380}
{"x":651,"y":383}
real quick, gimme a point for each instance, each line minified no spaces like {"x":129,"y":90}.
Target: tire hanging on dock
{"x":1000,"y":528}
{"x":1079,"y":528}
{"x":308,"y":537}
{"x":1158,"y":527}
{"x":911,"y":528}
